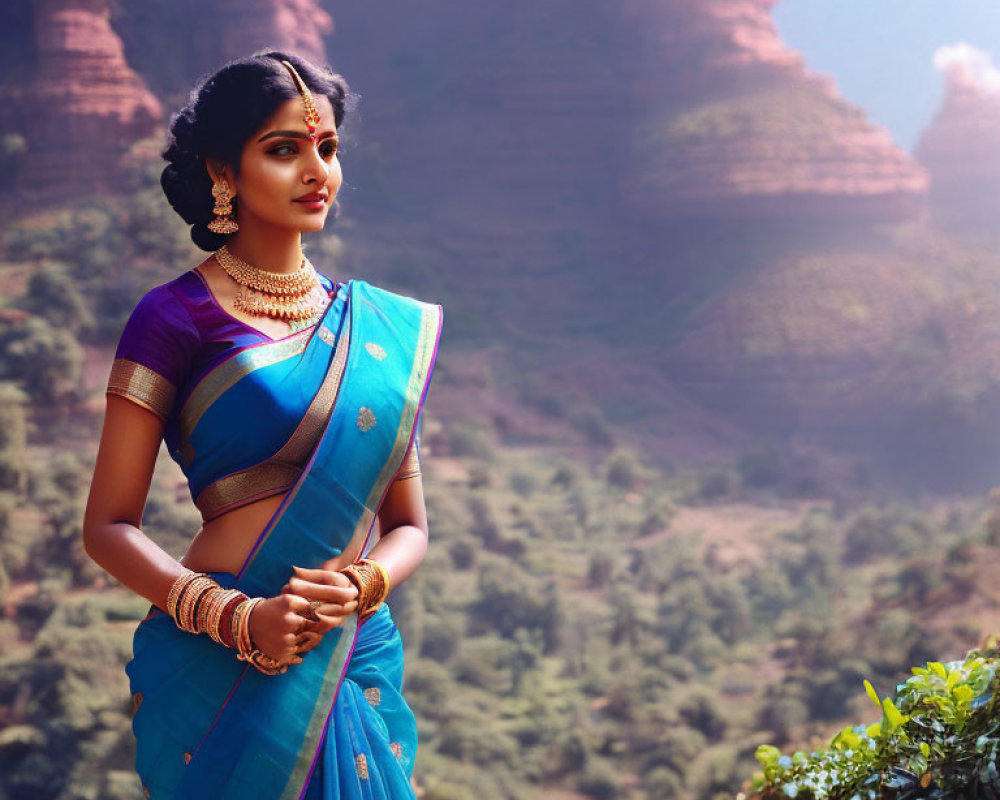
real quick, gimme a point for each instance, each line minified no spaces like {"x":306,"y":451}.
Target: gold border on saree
{"x":263,"y":480}
{"x":279,"y":473}
{"x":231,"y":372}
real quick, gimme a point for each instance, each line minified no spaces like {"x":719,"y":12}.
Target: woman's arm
{"x":112,"y":534}
{"x":403,"y":522}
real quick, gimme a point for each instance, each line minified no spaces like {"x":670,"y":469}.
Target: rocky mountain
{"x":730,"y":123}
{"x":76,"y":102}
{"x":655,"y":206}
{"x":296,"y":25}
{"x":959,"y":147}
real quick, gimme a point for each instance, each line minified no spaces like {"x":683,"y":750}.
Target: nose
{"x":315,"y":168}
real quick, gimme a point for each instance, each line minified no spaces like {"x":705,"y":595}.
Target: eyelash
{"x":330,"y":149}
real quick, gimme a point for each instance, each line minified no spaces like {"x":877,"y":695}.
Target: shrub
{"x":462,"y":554}
{"x":600,"y":781}
{"x":624,"y":469}
{"x":471,"y":441}
{"x":937,"y":739}
{"x":440,"y":640}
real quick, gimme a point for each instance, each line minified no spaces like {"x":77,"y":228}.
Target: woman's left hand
{"x":334,"y":596}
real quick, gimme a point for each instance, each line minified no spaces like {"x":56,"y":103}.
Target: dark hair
{"x":222,"y":112}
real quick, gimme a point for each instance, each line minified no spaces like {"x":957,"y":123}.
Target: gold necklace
{"x":292,"y":296}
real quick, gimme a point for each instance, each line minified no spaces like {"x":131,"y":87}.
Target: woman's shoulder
{"x":156,"y":347}
{"x":168,"y":299}
{"x":160,"y":332}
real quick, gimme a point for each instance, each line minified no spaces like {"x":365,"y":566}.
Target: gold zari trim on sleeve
{"x":142,"y":386}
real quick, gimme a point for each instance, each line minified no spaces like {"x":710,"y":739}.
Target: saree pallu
{"x":335,"y":726}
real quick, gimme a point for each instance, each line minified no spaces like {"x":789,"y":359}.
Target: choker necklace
{"x":293,"y":296}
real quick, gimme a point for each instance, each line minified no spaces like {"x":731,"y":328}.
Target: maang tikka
{"x":311,"y":117}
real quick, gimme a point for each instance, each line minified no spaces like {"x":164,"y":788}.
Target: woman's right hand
{"x":276,"y":625}
{"x":332,"y":599}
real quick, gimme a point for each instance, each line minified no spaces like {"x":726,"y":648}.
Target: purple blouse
{"x":177,"y":334}
{"x":180,"y":332}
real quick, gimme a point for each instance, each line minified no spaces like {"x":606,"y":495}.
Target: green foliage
{"x":13,"y":437}
{"x":878,"y":532}
{"x":53,"y":296}
{"x":600,"y":781}
{"x":472,"y":441}
{"x":46,"y":360}
{"x":716,"y":484}
{"x":624,"y":469}
{"x":939,"y":738}
{"x":440,"y":640}
{"x":508,"y":602}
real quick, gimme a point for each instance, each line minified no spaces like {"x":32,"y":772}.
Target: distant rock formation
{"x":731,"y":124}
{"x":961,"y":146}
{"x":78,"y":106}
{"x":242,"y":26}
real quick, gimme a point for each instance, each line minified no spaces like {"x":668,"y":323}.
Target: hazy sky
{"x":881,"y":51}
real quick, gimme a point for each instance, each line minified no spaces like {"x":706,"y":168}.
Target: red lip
{"x":315,"y":197}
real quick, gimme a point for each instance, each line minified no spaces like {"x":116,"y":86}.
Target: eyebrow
{"x":295,"y":135}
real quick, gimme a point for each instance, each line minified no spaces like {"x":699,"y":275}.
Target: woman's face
{"x":288,"y":179}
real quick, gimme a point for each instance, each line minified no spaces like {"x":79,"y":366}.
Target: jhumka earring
{"x":223,"y":222}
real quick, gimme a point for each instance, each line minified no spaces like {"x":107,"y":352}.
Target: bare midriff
{"x":223,"y":544}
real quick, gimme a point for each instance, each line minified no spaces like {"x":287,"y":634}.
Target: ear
{"x":218,"y":169}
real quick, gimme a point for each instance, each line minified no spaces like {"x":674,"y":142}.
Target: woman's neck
{"x":273,"y":250}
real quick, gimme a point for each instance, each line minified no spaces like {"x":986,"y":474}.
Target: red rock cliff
{"x":80,"y":105}
{"x":732,"y":124}
{"x":242,"y":26}
{"x":960,"y":146}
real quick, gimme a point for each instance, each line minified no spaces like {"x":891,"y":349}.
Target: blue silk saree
{"x":210,"y":727}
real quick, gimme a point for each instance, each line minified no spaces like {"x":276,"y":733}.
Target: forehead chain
{"x":311,"y":117}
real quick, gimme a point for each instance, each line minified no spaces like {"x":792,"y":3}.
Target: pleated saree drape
{"x":209,"y":727}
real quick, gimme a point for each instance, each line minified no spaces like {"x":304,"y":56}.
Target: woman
{"x":291,"y":403}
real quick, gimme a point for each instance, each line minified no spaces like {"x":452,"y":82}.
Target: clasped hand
{"x":313,"y":602}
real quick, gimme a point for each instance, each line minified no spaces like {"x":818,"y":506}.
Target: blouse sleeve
{"x":154,"y":352}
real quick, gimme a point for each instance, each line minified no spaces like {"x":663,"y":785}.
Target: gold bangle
{"x":176,"y":588}
{"x":203,"y":607}
{"x":190,"y":602}
{"x":220,"y":600}
{"x":372,"y":580}
{"x":386,"y":582}
{"x":246,"y":649}
{"x":243,"y":642}
{"x":186,"y":581}
{"x":183,"y":598}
